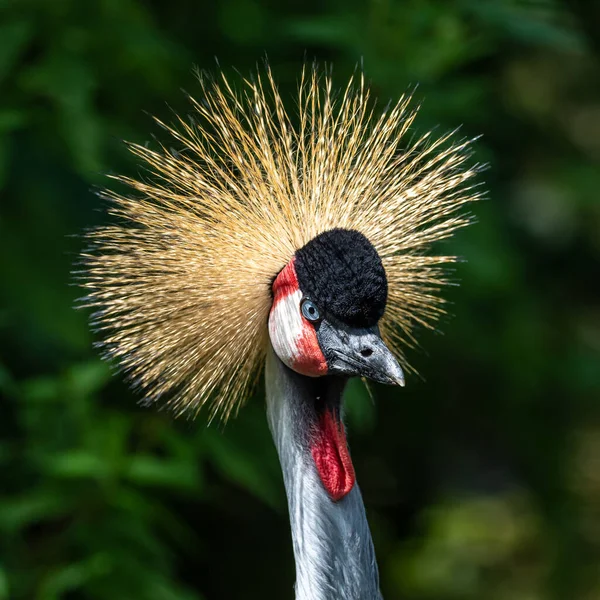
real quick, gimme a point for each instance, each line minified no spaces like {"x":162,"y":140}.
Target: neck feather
{"x":333,"y":548}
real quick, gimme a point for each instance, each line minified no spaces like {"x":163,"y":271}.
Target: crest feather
{"x":181,"y":283}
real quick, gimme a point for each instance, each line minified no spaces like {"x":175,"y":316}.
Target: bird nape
{"x":299,"y":242}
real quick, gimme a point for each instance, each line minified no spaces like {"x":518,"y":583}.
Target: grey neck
{"x":335,"y":559}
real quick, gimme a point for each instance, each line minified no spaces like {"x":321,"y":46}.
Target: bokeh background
{"x":481,"y":478}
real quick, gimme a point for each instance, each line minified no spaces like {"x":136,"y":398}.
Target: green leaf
{"x":72,"y":577}
{"x":4,"y":588}
{"x":14,"y":36}
{"x":19,"y":511}
{"x":11,"y":119}
{"x":78,"y":464}
{"x":85,"y":379}
{"x":359,"y":407}
{"x":152,"y":471}
{"x":239,"y":466}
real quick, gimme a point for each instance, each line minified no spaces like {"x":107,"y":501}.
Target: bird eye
{"x":309,"y":310}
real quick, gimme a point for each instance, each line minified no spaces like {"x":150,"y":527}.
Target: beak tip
{"x":399,"y":375}
{"x":399,"y":379}
{"x":395,"y":373}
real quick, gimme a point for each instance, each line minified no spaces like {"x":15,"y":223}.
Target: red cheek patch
{"x":305,"y":355}
{"x":309,"y":359}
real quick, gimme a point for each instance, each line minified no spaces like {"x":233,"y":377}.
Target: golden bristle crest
{"x":181,"y":282}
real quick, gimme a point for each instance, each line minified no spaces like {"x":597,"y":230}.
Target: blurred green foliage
{"x":482,"y":479}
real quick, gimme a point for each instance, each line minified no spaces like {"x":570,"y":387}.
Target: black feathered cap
{"x":342,"y":273}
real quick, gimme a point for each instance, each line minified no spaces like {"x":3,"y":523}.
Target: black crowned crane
{"x":301,"y":245}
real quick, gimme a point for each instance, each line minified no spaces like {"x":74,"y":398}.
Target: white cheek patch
{"x":285,"y":328}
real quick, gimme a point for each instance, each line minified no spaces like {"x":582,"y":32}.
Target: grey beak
{"x":358,"y":353}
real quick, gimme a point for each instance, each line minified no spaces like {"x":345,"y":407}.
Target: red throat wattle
{"x":330,"y":452}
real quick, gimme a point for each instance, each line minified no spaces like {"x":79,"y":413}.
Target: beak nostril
{"x":366,"y":352}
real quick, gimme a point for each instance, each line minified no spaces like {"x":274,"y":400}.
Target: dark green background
{"x":481,"y":479}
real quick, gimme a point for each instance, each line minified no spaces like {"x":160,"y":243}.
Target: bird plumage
{"x":181,"y":281}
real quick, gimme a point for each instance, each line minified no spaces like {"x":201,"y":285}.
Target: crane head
{"x":181,"y":287}
{"x":327,"y":302}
